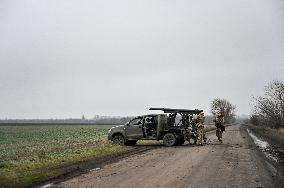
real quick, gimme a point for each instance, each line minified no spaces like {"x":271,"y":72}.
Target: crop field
{"x":26,"y":152}
{"x":31,"y":142}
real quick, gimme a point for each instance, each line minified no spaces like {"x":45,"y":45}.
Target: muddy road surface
{"x":236,"y":162}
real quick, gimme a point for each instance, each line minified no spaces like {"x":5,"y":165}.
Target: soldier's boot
{"x":198,"y":142}
{"x":204,"y":138}
{"x":221,"y":137}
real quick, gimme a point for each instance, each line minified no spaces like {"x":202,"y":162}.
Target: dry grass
{"x":277,"y":134}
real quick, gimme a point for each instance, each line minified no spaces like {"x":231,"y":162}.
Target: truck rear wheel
{"x":169,"y":139}
{"x":118,"y":140}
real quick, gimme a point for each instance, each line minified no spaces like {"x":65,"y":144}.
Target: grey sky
{"x":67,"y":58}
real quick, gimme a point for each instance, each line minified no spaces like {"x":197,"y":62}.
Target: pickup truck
{"x":156,"y":127}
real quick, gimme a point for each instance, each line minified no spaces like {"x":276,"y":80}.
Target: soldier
{"x":149,"y":126}
{"x":219,"y":123}
{"x":200,"y":128}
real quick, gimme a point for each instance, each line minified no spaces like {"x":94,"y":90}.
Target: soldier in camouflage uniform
{"x":219,"y":123}
{"x":200,"y":128}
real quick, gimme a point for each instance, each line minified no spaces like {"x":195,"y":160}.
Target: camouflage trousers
{"x":219,"y":131}
{"x":219,"y":134}
{"x":200,"y":135}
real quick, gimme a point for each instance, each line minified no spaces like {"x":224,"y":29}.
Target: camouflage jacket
{"x":219,"y":121}
{"x":199,"y":120}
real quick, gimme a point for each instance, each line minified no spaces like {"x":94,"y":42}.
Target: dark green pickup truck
{"x":156,"y":127}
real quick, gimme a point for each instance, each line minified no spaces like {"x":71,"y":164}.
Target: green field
{"x":31,"y":142}
{"x":34,"y":153}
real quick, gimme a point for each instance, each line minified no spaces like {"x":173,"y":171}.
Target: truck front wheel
{"x":169,"y":139}
{"x":118,"y":139}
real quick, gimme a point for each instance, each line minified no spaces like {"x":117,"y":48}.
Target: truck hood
{"x":116,"y":127}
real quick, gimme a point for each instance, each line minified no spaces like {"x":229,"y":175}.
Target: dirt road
{"x":235,"y":163}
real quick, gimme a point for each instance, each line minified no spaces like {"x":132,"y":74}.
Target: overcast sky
{"x":65,"y":58}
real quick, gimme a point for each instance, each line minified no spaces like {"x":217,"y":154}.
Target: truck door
{"x":134,"y":129}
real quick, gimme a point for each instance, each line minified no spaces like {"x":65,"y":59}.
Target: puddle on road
{"x":47,"y":185}
{"x":95,"y":169}
{"x":265,"y":147}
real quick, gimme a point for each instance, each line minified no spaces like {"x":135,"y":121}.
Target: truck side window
{"x":136,"y":121}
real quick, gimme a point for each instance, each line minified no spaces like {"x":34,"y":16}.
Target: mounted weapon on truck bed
{"x":180,"y":111}
{"x":186,"y":115}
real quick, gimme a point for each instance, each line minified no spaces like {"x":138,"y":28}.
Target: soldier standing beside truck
{"x":200,"y":128}
{"x":219,"y":123}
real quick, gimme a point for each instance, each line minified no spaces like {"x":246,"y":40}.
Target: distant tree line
{"x":104,"y":120}
{"x":268,"y":110}
{"x":112,"y":120}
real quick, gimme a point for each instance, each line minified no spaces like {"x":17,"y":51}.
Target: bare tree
{"x":225,"y":108}
{"x":270,"y":108}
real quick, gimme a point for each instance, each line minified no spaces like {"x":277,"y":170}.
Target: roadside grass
{"x":45,"y":167}
{"x":274,"y":134}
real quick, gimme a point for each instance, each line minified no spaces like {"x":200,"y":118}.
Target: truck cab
{"x":146,"y":127}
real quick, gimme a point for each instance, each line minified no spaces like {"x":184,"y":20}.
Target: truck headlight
{"x":109,"y":130}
